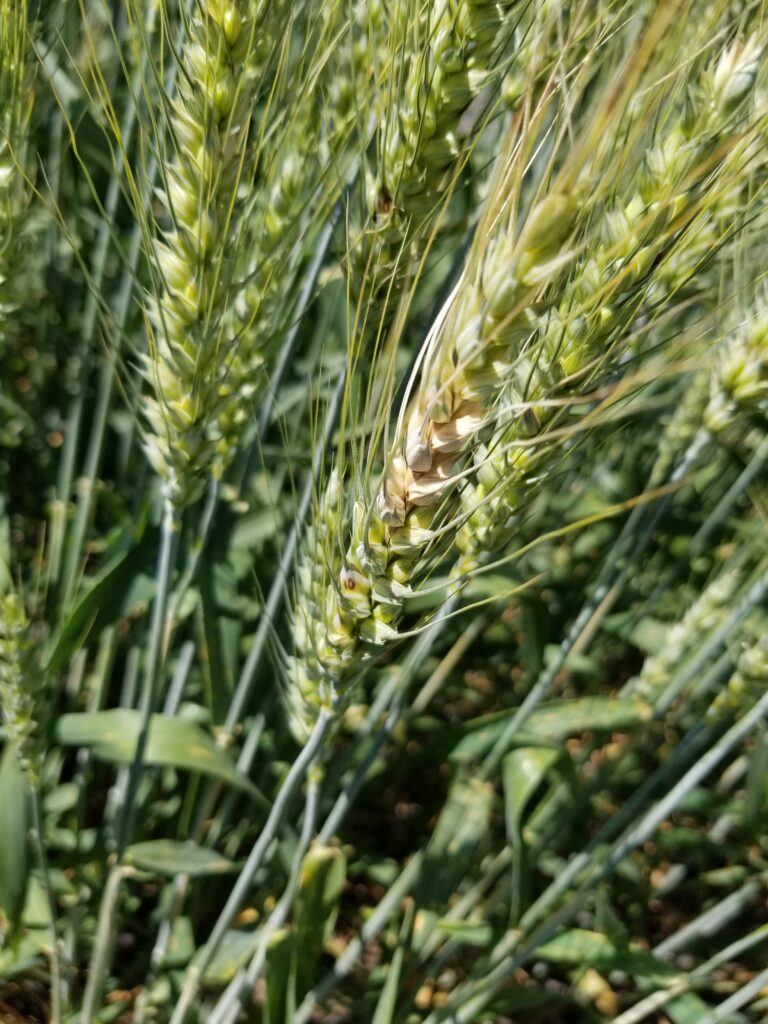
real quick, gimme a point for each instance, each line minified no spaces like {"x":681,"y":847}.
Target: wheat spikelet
{"x":717,"y":398}
{"x":255,"y":314}
{"x":187,"y":360}
{"x":706,"y":613}
{"x":339,"y":624}
{"x":748,"y":682}
{"x":739,"y":384}
{"x":306,"y":164}
{"x":682,"y":427}
{"x":454,"y":54}
{"x":20,"y":685}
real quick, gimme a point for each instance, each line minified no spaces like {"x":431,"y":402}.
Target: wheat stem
{"x":38,"y":837}
{"x":102,"y":948}
{"x":229,"y":1004}
{"x":149,"y":694}
{"x":255,"y":859}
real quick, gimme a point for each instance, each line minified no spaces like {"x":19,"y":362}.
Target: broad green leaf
{"x":323,"y":873}
{"x":523,"y":770}
{"x":217,"y":656}
{"x":235,"y":950}
{"x":181,"y":943}
{"x":173,"y":742}
{"x":125,"y":585}
{"x":37,"y":907}
{"x":529,"y":1002}
{"x":62,"y":798}
{"x":387,"y":1001}
{"x":575,"y":945}
{"x":647,"y":634}
{"x":253,"y":531}
{"x":473,"y":933}
{"x":18,"y":957}
{"x":460,"y":829}
{"x":280,"y":977}
{"x":551,"y":723}
{"x":579,"y":948}
{"x":433,"y":597}
{"x":688,"y":1008}
{"x":492,"y":585}
{"x":585,"y":665}
{"x":168,"y":857}
{"x":6,"y":580}
{"x":14,"y":825}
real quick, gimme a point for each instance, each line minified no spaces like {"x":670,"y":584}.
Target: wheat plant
{"x":383,"y":454}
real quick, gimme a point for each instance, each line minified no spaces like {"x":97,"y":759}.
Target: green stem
{"x":256,"y":858}
{"x":280,"y":583}
{"x":230,"y":1005}
{"x":193,"y":561}
{"x":148,"y":697}
{"x":102,"y":947}
{"x":37,"y":828}
{"x":148,"y":700}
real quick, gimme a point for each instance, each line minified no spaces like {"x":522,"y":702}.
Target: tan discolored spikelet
{"x":508,"y":342}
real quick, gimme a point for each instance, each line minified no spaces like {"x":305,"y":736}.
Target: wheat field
{"x":383,"y":511}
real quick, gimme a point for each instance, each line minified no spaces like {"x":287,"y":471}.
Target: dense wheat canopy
{"x":383,"y":508}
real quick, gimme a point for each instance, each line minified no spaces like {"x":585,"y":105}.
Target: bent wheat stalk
{"x":486,"y":347}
